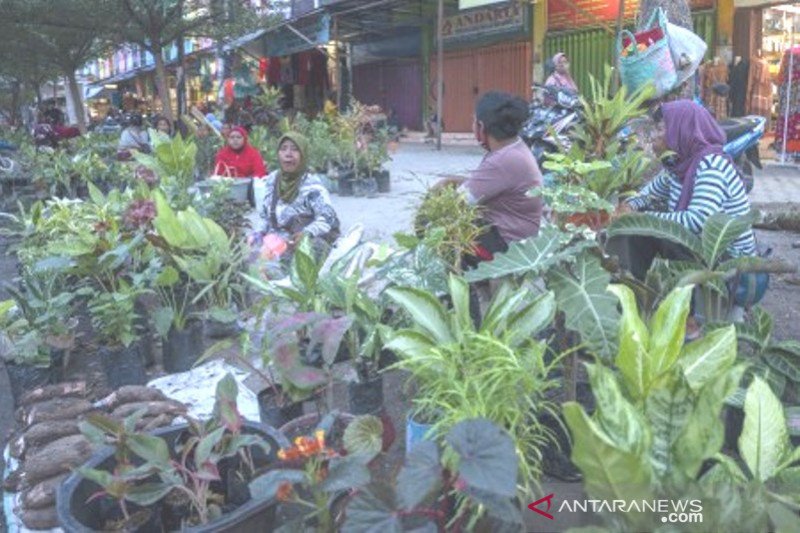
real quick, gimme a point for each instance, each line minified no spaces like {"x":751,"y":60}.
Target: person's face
{"x":162,"y":126}
{"x":479,"y":131}
{"x":658,"y":139}
{"x":202,"y":132}
{"x":235,"y":140}
{"x":562,"y":65}
{"x":289,"y":156}
{"x":225,"y":130}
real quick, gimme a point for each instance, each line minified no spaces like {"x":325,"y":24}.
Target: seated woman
{"x":698,"y":181}
{"x":505,"y":176}
{"x":163,"y":125}
{"x":238,"y":158}
{"x":134,"y":138}
{"x":296,"y":202}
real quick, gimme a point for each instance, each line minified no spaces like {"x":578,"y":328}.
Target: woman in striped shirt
{"x":698,"y":181}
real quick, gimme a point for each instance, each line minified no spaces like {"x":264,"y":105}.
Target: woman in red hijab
{"x":238,"y":159}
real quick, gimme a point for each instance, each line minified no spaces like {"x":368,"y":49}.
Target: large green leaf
{"x":719,"y":232}
{"x":265,"y":487}
{"x":459,"y":295}
{"x":530,"y":256}
{"x":427,"y":312}
{"x":668,"y":409}
{"x":634,"y":342}
{"x":374,"y":510}
{"x":668,"y":330}
{"x":346,"y":473}
{"x":581,"y":293}
{"x":503,"y":304}
{"x":785,"y":363}
{"x":364,"y":436}
{"x":410,"y":343}
{"x":758,"y":330}
{"x":487,"y":456}
{"x":420,"y":476}
{"x":610,"y":473}
{"x":784,"y":519}
{"x":147,"y":494}
{"x":167,"y":224}
{"x":641,"y":224}
{"x":764,"y":439}
{"x":531,"y":319}
{"x":622,"y":423}
{"x":707,"y":359}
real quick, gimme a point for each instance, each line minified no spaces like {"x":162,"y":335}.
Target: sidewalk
{"x":776,"y":184}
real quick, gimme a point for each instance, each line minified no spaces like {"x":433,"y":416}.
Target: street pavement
{"x":776,"y":184}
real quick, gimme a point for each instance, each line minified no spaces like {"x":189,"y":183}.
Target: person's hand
{"x":448,"y":182}
{"x":623,"y":208}
{"x":295,"y":240}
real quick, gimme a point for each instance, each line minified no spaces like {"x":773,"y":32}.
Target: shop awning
{"x":250,"y":43}
{"x":757,"y":3}
{"x":298,"y":35}
{"x":91,"y":92}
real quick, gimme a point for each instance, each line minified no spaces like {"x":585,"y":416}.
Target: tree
{"x":62,"y":34}
{"x":156,"y":24}
{"x":678,"y":12}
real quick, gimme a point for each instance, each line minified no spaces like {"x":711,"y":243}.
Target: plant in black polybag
{"x":469,"y":481}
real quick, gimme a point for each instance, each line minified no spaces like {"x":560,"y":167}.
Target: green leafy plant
{"x":19,"y":342}
{"x":113,"y":315}
{"x":711,"y":266}
{"x":189,"y":469}
{"x":173,"y":161}
{"x":476,"y":467}
{"x":449,"y":224}
{"x":657,"y":418}
{"x":495,"y":370}
{"x":311,"y":473}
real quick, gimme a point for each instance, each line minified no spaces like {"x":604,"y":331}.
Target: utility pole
{"x":181,"y":85}
{"x":439,"y":74}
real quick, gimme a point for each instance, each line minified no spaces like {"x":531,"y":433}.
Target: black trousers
{"x":636,"y":254}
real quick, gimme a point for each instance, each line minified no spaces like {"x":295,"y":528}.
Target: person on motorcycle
{"x":561,"y":78}
{"x":508,"y":171}
{"x":134,"y":138}
{"x":296,"y":203}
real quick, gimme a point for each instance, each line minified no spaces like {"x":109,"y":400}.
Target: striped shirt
{"x":717,"y":189}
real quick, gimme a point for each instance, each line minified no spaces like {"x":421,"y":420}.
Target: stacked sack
{"x":50,"y":444}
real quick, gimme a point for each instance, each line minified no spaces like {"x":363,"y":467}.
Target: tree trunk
{"x":678,"y":12}
{"x":77,"y":100}
{"x":161,"y":84}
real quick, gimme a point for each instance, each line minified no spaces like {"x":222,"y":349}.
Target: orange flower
{"x":285,"y":492}
{"x":305,"y":447}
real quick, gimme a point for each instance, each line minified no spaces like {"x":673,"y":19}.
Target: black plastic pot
{"x":123,"y":365}
{"x":366,"y":398}
{"x":146,"y":333}
{"x":346,"y":187}
{"x":183,"y":347}
{"x":215,"y":329}
{"x":276,"y":415}
{"x":24,"y":378}
{"x":57,"y":361}
{"x":384,"y":181}
{"x":77,"y":515}
{"x":365,"y":187}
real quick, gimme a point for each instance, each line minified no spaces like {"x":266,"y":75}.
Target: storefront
{"x":487,"y":48}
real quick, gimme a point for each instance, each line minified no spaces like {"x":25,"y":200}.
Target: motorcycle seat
{"x":735,"y":127}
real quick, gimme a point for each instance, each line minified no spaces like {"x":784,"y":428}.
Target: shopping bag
{"x":688,"y":50}
{"x":646,"y":57}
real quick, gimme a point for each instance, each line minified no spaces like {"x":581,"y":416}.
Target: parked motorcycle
{"x":553,"y":114}
{"x":742,"y":136}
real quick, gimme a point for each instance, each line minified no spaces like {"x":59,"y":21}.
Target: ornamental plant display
{"x":311,"y":474}
{"x":494,"y":371}
{"x":466,"y":483}
{"x":657,"y":427}
{"x":185,"y":471}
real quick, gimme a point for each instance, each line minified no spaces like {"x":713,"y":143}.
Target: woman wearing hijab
{"x":238,"y":159}
{"x":296,"y":202}
{"x":698,"y":181}
{"x":561,"y":78}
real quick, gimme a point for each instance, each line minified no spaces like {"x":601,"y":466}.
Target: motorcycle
{"x":553,"y":114}
{"x":742,"y":137}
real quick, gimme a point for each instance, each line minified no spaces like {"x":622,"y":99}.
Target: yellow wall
{"x":725,"y":11}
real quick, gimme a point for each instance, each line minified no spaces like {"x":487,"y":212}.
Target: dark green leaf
{"x":147,"y":494}
{"x":719,"y":232}
{"x":487,"y":456}
{"x":420,"y":476}
{"x":207,"y":444}
{"x":641,"y":224}
{"x":266,"y":487}
{"x":373,"y":510}
{"x":329,"y":333}
{"x":344,"y":473}
{"x":364,"y":436}
{"x":150,"y":448}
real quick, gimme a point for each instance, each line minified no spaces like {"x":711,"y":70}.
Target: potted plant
{"x":495,"y":369}
{"x":374,"y":154}
{"x":26,"y":358}
{"x":467,"y":483}
{"x":313,"y":478}
{"x":192,"y":477}
{"x":114,"y":322}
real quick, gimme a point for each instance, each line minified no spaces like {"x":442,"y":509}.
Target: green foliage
{"x":113,"y":315}
{"x":173,"y":160}
{"x":495,"y":371}
{"x":449,"y":224}
{"x":658,"y":419}
{"x":710,"y":265}
{"x":20,"y":343}
{"x":477,"y":467}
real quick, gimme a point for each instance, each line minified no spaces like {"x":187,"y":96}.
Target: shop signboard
{"x":469,"y":4}
{"x":576,"y":14}
{"x":285,"y":41}
{"x":509,"y":19}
